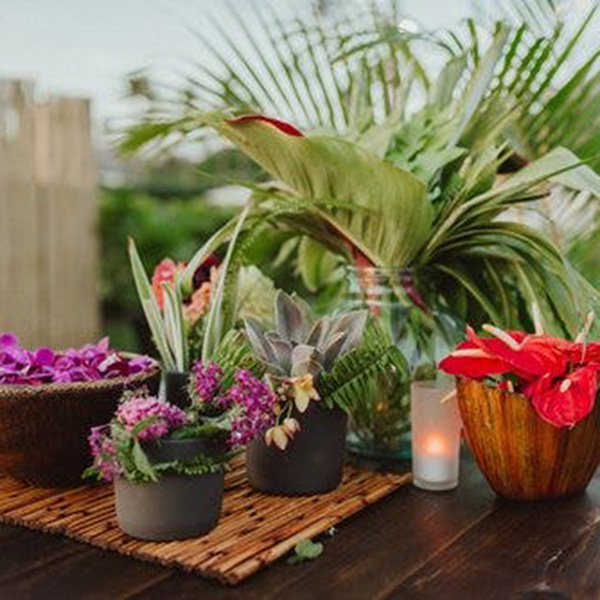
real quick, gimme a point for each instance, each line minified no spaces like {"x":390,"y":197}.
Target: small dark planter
{"x":174,"y":508}
{"x":311,"y":464}
{"x":177,"y":506}
{"x":176,"y":389}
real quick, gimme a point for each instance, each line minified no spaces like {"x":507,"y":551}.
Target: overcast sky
{"x":86,"y":47}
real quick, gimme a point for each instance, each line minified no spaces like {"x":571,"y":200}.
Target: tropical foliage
{"x":460,"y":150}
{"x":161,"y":227}
{"x":463,"y":248}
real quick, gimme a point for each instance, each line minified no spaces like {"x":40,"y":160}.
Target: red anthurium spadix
{"x":560,"y":377}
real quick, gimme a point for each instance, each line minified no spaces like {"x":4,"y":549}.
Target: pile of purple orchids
{"x":92,"y":362}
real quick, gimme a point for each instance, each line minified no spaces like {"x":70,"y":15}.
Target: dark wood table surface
{"x":414,"y":544}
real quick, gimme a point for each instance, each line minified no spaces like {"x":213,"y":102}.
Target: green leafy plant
{"x":168,"y":326}
{"x":465,"y":236}
{"x":161,"y":227}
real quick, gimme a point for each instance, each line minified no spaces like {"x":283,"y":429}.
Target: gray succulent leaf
{"x":333,"y":350}
{"x":354,"y":323}
{"x":281,"y":350}
{"x":305,"y":309}
{"x":257,"y":339}
{"x":276,"y":370}
{"x":290,"y":319}
{"x":306,"y":360}
{"x":318,"y":333}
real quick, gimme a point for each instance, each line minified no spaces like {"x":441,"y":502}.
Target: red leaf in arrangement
{"x":281,"y":125}
{"x":360,"y":260}
{"x":564,"y":402}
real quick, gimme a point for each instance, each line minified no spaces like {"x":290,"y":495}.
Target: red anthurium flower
{"x":564,"y":402}
{"x":585,"y":353}
{"x":558,"y":376}
{"x":281,"y":125}
{"x":530,"y":356}
{"x":469,"y":360}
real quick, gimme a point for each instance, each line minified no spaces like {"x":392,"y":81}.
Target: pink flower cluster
{"x":154,"y":419}
{"x":207,"y":381}
{"x":104,"y":453}
{"x":162,"y":416}
{"x":92,"y":362}
{"x":255,"y":404}
{"x":195,"y":306}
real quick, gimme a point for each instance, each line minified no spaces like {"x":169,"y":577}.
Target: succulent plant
{"x":300,"y":347}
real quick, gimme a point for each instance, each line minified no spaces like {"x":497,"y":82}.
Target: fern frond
{"x":353,"y":375}
{"x":235,"y":353}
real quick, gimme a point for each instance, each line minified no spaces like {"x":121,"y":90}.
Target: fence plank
{"x":19,"y":255}
{"x":48,"y":213}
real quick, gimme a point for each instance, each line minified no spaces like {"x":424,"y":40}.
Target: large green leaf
{"x":151,"y":309}
{"x":215,"y":320}
{"x":380,"y":209}
{"x":558,"y":166}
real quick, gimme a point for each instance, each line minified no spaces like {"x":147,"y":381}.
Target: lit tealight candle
{"x":435,"y":436}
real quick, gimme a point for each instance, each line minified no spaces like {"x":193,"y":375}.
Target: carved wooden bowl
{"x":521,"y":456}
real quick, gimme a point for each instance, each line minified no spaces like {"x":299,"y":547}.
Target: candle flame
{"x":436,"y":445}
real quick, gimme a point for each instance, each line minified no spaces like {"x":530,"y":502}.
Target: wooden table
{"x":462,"y":544}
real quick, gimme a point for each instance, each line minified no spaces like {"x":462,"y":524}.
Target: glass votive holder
{"x":436,"y":429}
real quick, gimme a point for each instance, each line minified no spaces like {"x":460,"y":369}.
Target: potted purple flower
{"x":167,"y":463}
{"x":300,"y":435}
{"x":168,"y":483}
{"x":67,"y":391}
{"x":244,"y":404}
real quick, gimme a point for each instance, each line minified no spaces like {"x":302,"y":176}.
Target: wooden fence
{"x":48,"y":209}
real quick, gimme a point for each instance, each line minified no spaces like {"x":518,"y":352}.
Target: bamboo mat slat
{"x":255,"y":529}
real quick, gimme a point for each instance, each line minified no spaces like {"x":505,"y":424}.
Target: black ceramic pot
{"x":311,"y":464}
{"x":176,"y":389}
{"x":176,"y":506}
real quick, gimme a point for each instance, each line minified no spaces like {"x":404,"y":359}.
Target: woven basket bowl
{"x":44,"y":429}
{"x":521,"y":456}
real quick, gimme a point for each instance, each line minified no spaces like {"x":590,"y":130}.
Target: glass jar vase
{"x":379,"y":424}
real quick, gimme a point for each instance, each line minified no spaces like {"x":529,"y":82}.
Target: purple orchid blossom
{"x":92,"y":362}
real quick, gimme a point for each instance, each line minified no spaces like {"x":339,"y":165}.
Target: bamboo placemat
{"x":255,"y":529}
